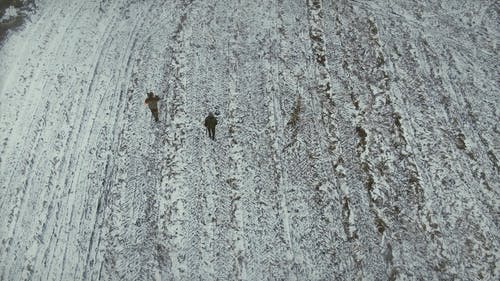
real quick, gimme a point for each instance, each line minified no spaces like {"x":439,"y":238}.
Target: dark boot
{"x":155,"y":115}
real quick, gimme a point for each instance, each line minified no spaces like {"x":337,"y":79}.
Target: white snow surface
{"x":357,"y":140}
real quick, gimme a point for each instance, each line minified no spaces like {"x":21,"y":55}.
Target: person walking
{"x":152,"y":102}
{"x":210,"y":123}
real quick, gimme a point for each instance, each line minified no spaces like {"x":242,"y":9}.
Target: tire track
{"x":102,"y":211}
{"x":32,"y":160}
{"x":177,"y":224}
{"x":133,"y":232}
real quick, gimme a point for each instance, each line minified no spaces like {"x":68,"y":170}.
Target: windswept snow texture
{"x":357,"y":140}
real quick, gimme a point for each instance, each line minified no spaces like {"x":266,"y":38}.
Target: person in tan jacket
{"x":152,"y":102}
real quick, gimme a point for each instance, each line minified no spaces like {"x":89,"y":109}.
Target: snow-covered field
{"x":357,"y":140}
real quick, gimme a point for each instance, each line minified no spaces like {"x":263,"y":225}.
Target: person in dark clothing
{"x":152,"y":102}
{"x":210,"y":123}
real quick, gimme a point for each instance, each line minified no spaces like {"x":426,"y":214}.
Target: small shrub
{"x":294,"y":118}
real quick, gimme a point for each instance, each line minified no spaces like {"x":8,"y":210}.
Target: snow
{"x":10,"y":12}
{"x":357,"y":140}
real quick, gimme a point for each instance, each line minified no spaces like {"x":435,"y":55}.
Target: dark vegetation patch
{"x":393,"y":276}
{"x":294,"y":118}
{"x":460,"y":141}
{"x":356,"y":104}
{"x":397,"y":120}
{"x":493,"y":159}
{"x":346,"y":213}
{"x":370,"y":181}
{"x":485,"y":182}
{"x":321,"y":58}
{"x":399,"y":127}
{"x":340,"y":174}
{"x":365,"y":167}
{"x":316,"y":36}
{"x":415,"y":186}
{"x":369,"y":185}
{"x":316,"y":4}
{"x":293,"y":122}
{"x":382,"y":166}
{"x":4,"y":4}
{"x":373,"y":27}
{"x":9,"y":25}
{"x":413,"y":178}
{"x":21,"y":6}
{"x":381,"y":226}
{"x":380,"y":59}
{"x":362,"y":137}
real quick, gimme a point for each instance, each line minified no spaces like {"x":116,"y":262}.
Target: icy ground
{"x":357,"y":140}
